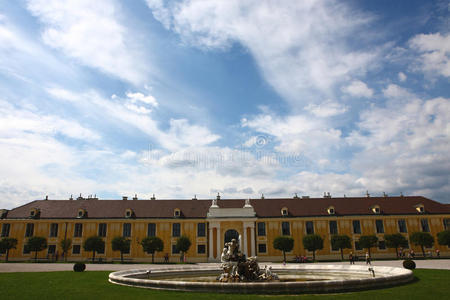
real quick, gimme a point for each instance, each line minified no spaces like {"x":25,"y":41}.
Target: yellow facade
{"x":213,"y":240}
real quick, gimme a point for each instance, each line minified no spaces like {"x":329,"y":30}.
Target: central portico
{"x":225,"y":222}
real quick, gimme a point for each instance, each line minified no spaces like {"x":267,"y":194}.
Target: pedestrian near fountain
{"x":368,"y":259}
{"x":438,"y":253}
{"x":351,"y":259}
{"x":166,"y":257}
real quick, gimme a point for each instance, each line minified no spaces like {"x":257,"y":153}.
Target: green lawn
{"x":429,"y":284}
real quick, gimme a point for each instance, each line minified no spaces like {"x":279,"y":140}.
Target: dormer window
{"x":331,"y":210}
{"x":34,"y":213}
{"x":376,"y":209}
{"x":82,"y":213}
{"x":284,"y":211}
{"x":177,"y":213}
{"x":420,"y":208}
{"x":129,"y":213}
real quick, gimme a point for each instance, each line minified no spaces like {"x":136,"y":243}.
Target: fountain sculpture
{"x":236,"y":267}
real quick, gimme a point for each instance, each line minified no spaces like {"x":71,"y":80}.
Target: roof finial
{"x":367,"y":194}
{"x":262,"y":196}
{"x":218,"y":196}
{"x":153,"y":197}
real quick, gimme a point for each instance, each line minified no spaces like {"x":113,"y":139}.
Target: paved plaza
{"x":50,"y":267}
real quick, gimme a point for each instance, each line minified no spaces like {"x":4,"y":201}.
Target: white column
{"x":219,"y":237}
{"x":211,"y":243}
{"x":245,"y":242}
{"x":252,"y":241}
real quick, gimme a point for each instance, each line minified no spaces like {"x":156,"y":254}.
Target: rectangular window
{"x":127,"y":250}
{"x":201,"y":249}
{"x":5,"y":229}
{"x":356,"y":227}
{"x":334,"y":248}
{"x":175,"y":249}
{"x":176,"y":229}
{"x":309,"y":227}
{"x":261,"y":228}
{"x":126,"y":230}
{"x":262,"y":248}
{"x":51,"y":249}
{"x":382,"y":245}
{"x":201,"y":229}
{"x":151,"y":229}
{"x":102,"y":250}
{"x":357,"y":246}
{"x":333,"y":227}
{"x":78,"y":231}
{"x":76,"y":249}
{"x":102,"y":229}
{"x":26,"y":250}
{"x":29,"y":231}
{"x":380,"y":226}
{"x":402,"y":226}
{"x":53,"y":230}
{"x":446,"y":224}
{"x":425,"y":226}
{"x":285,"y":229}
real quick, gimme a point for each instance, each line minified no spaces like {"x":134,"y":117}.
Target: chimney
{"x":153,"y":197}
{"x":195,"y":197}
{"x":385,"y":195}
{"x":295,"y":196}
{"x":71,"y":197}
{"x":367,"y":194}
{"x":135,"y":197}
{"x":218,"y":196}
{"x":124,"y":198}
{"x":46,"y":197}
{"x":262,"y":196}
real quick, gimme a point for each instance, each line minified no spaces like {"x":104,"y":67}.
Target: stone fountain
{"x":237,"y":268}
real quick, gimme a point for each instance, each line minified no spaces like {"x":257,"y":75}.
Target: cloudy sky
{"x":239,"y":97}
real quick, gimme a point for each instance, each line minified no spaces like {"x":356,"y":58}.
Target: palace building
{"x":210,"y":223}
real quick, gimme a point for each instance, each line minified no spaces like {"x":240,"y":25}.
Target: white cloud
{"x":290,"y":41}
{"x":358,"y":88}
{"x":180,"y":133}
{"x":404,"y":146}
{"x":395,"y":91}
{"x":434,"y":50}
{"x":325,"y":109}
{"x":402,"y":77}
{"x":298,"y":135}
{"x":139,"y":97}
{"x":91,"y":32}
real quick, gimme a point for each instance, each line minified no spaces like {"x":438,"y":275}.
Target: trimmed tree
{"x":444,"y":238}
{"x":368,"y":241}
{"x":152,"y":244}
{"x":183,"y":244}
{"x":119,"y":243}
{"x":396,"y":241}
{"x":313,"y":242}
{"x":284,"y":243}
{"x":94,"y":244}
{"x":341,"y":242}
{"x":422,"y":239}
{"x":7,"y":244}
{"x":66,"y":245}
{"x":36,"y":244}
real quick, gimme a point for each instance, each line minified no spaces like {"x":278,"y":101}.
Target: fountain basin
{"x":294,"y":279}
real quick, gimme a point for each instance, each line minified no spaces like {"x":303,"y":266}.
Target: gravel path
{"x":45,"y":267}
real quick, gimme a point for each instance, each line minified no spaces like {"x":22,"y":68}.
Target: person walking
{"x":368,"y":259}
{"x":351,"y":259}
{"x":166,"y":257}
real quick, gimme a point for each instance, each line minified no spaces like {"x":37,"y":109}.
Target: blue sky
{"x":184,"y":98}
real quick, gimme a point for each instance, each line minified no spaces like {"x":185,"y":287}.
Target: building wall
{"x":188,"y":227}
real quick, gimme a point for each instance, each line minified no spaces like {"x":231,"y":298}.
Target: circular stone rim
{"x":384,"y":277}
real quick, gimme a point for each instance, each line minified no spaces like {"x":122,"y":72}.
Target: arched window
{"x":231,"y":234}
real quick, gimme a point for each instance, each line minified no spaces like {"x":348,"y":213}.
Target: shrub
{"x":409,"y":264}
{"x":79,"y":267}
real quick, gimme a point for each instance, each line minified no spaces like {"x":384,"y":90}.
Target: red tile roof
{"x":62,"y":209}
